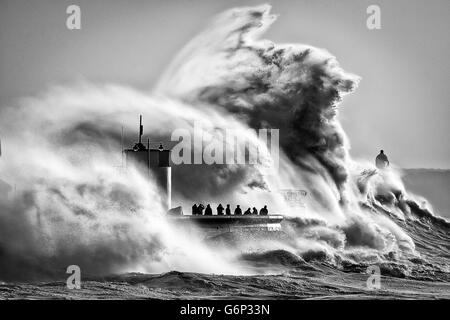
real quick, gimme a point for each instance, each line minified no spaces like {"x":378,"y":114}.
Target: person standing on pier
{"x":264,"y":211}
{"x":220,"y":210}
{"x":208,"y":210}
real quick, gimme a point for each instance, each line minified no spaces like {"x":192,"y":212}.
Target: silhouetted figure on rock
{"x":208,"y":210}
{"x":228,"y":210}
{"x":220,"y":210}
{"x":381,"y":161}
{"x":238,"y":211}
{"x":247,"y":212}
{"x":264,"y":211}
{"x":194,"y":210}
{"x":200,"y":209}
{"x":255,"y":211}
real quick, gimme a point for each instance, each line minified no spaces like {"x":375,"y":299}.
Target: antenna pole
{"x":148,"y":156}
{"x":141,"y":129}
{"x":121,"y":142}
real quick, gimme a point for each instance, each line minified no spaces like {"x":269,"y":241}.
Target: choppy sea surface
{"x":323,"y":283}
{"x":309,"y":276}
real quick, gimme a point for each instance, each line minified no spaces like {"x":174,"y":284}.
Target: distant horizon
{"x":434,"y":169}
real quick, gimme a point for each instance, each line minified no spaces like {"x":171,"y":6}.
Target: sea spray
{"x":74,"y":206}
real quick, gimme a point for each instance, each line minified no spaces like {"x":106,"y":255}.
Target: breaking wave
{"x":74,"y":205}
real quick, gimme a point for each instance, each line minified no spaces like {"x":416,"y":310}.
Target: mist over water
{"x":75,"y":205}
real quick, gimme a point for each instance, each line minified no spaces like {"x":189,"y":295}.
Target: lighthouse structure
{"x":154,"y":161}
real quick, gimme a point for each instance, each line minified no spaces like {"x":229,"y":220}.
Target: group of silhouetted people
{"x":198,"y":210}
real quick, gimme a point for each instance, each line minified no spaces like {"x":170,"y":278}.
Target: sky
{"x":401,"y":105}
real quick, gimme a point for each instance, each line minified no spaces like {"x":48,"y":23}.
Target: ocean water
{"x":307,"y":276}
{"x":73,"y":206}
